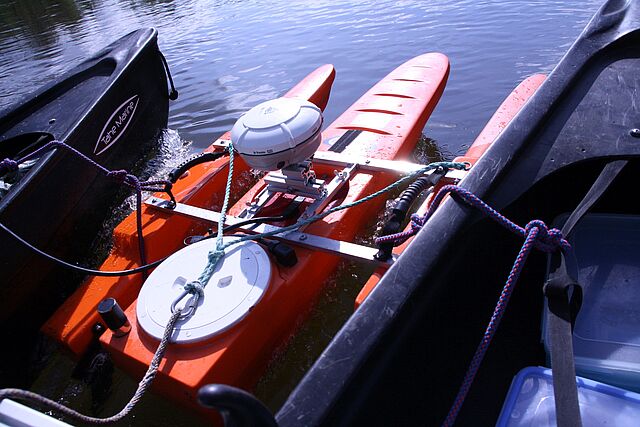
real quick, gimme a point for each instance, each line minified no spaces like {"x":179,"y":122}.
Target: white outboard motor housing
{"x":278,"y":133}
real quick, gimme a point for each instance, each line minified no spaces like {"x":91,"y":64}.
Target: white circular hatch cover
{"x":239,"y":281}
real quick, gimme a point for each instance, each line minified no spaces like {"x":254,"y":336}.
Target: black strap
{"x":564,"y":297}
{"x":207,"y":156}
{"x":562,"y":310}
{"x":606,"y":177}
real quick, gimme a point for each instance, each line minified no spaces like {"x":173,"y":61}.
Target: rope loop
{"x":123,"y":177}
{"x":548,"y":239}
{"x":215,"y":255}
{"x":8,"y":165}
{"x":118,"y":175}
{"x":195,"y":288}
{"x":416,"y":222}
{"x":193,"y":291}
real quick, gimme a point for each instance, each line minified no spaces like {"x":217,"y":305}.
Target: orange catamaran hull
{"x":500,"y":119}
{"x":203,"y":186}
{"x":385,"y":123}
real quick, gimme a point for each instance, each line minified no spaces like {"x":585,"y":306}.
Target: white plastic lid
{"x":13,"y":414}
{"x":238,"y":283}
{"x":267,"y":134}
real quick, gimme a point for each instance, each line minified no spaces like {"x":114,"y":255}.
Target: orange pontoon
{"x":503,"y":115}
{"x":203,"y":186}
{"x":384,"y":125}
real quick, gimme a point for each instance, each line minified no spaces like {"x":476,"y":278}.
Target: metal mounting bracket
{"x":344,"y":249}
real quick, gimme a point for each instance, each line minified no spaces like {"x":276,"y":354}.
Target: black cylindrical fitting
{"x":408,"y":196}
{"x":197,"y":159}
{"x":402,"y":206}
{"x":113,"y":316}
{"x":237,"y":407}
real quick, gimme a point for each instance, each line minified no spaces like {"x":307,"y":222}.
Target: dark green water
{"x":227,"y":56}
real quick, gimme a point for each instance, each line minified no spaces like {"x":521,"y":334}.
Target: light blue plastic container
{"x":606,"y":337}
{"x":530,"y":402}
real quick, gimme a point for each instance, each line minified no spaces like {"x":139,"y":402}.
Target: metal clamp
{"x":190,"y":306}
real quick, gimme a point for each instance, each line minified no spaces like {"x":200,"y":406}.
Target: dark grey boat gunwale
{"x":410,"y":318}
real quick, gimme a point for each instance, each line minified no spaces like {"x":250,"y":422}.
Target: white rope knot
{"x":195,"y":288}
{"x":214,"y":256}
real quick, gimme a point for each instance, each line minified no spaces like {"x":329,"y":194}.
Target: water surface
{"x":226,"y":56}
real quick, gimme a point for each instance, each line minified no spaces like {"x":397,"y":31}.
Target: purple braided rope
{"x":122,"y":176}
{"x":132,"y":181}
{"x":548,"y":241}
{"x":536,"y":234}
{"x":8,"y":165}
{"x":489,"y":333}
{"x":416,"y":225}
{"x":119,"y":175}
{"x":59,"y":144}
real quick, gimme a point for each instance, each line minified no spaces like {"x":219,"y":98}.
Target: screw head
{"x":635,"y":132}
{"x":302,"y":237}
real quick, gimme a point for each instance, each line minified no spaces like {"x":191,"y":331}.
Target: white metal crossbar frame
{"x":366,"y":164}
{"x":349,"y":165}
{"x":347,"y":250}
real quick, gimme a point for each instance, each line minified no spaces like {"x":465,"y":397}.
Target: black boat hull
{"x":402,"y":356}
{"x":111,"y":108}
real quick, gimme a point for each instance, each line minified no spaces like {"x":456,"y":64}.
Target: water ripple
{"x":227,"y":55}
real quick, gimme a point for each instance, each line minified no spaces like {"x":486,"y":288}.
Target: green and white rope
{"x":227,"y":194}
{"x":197,"y":286}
